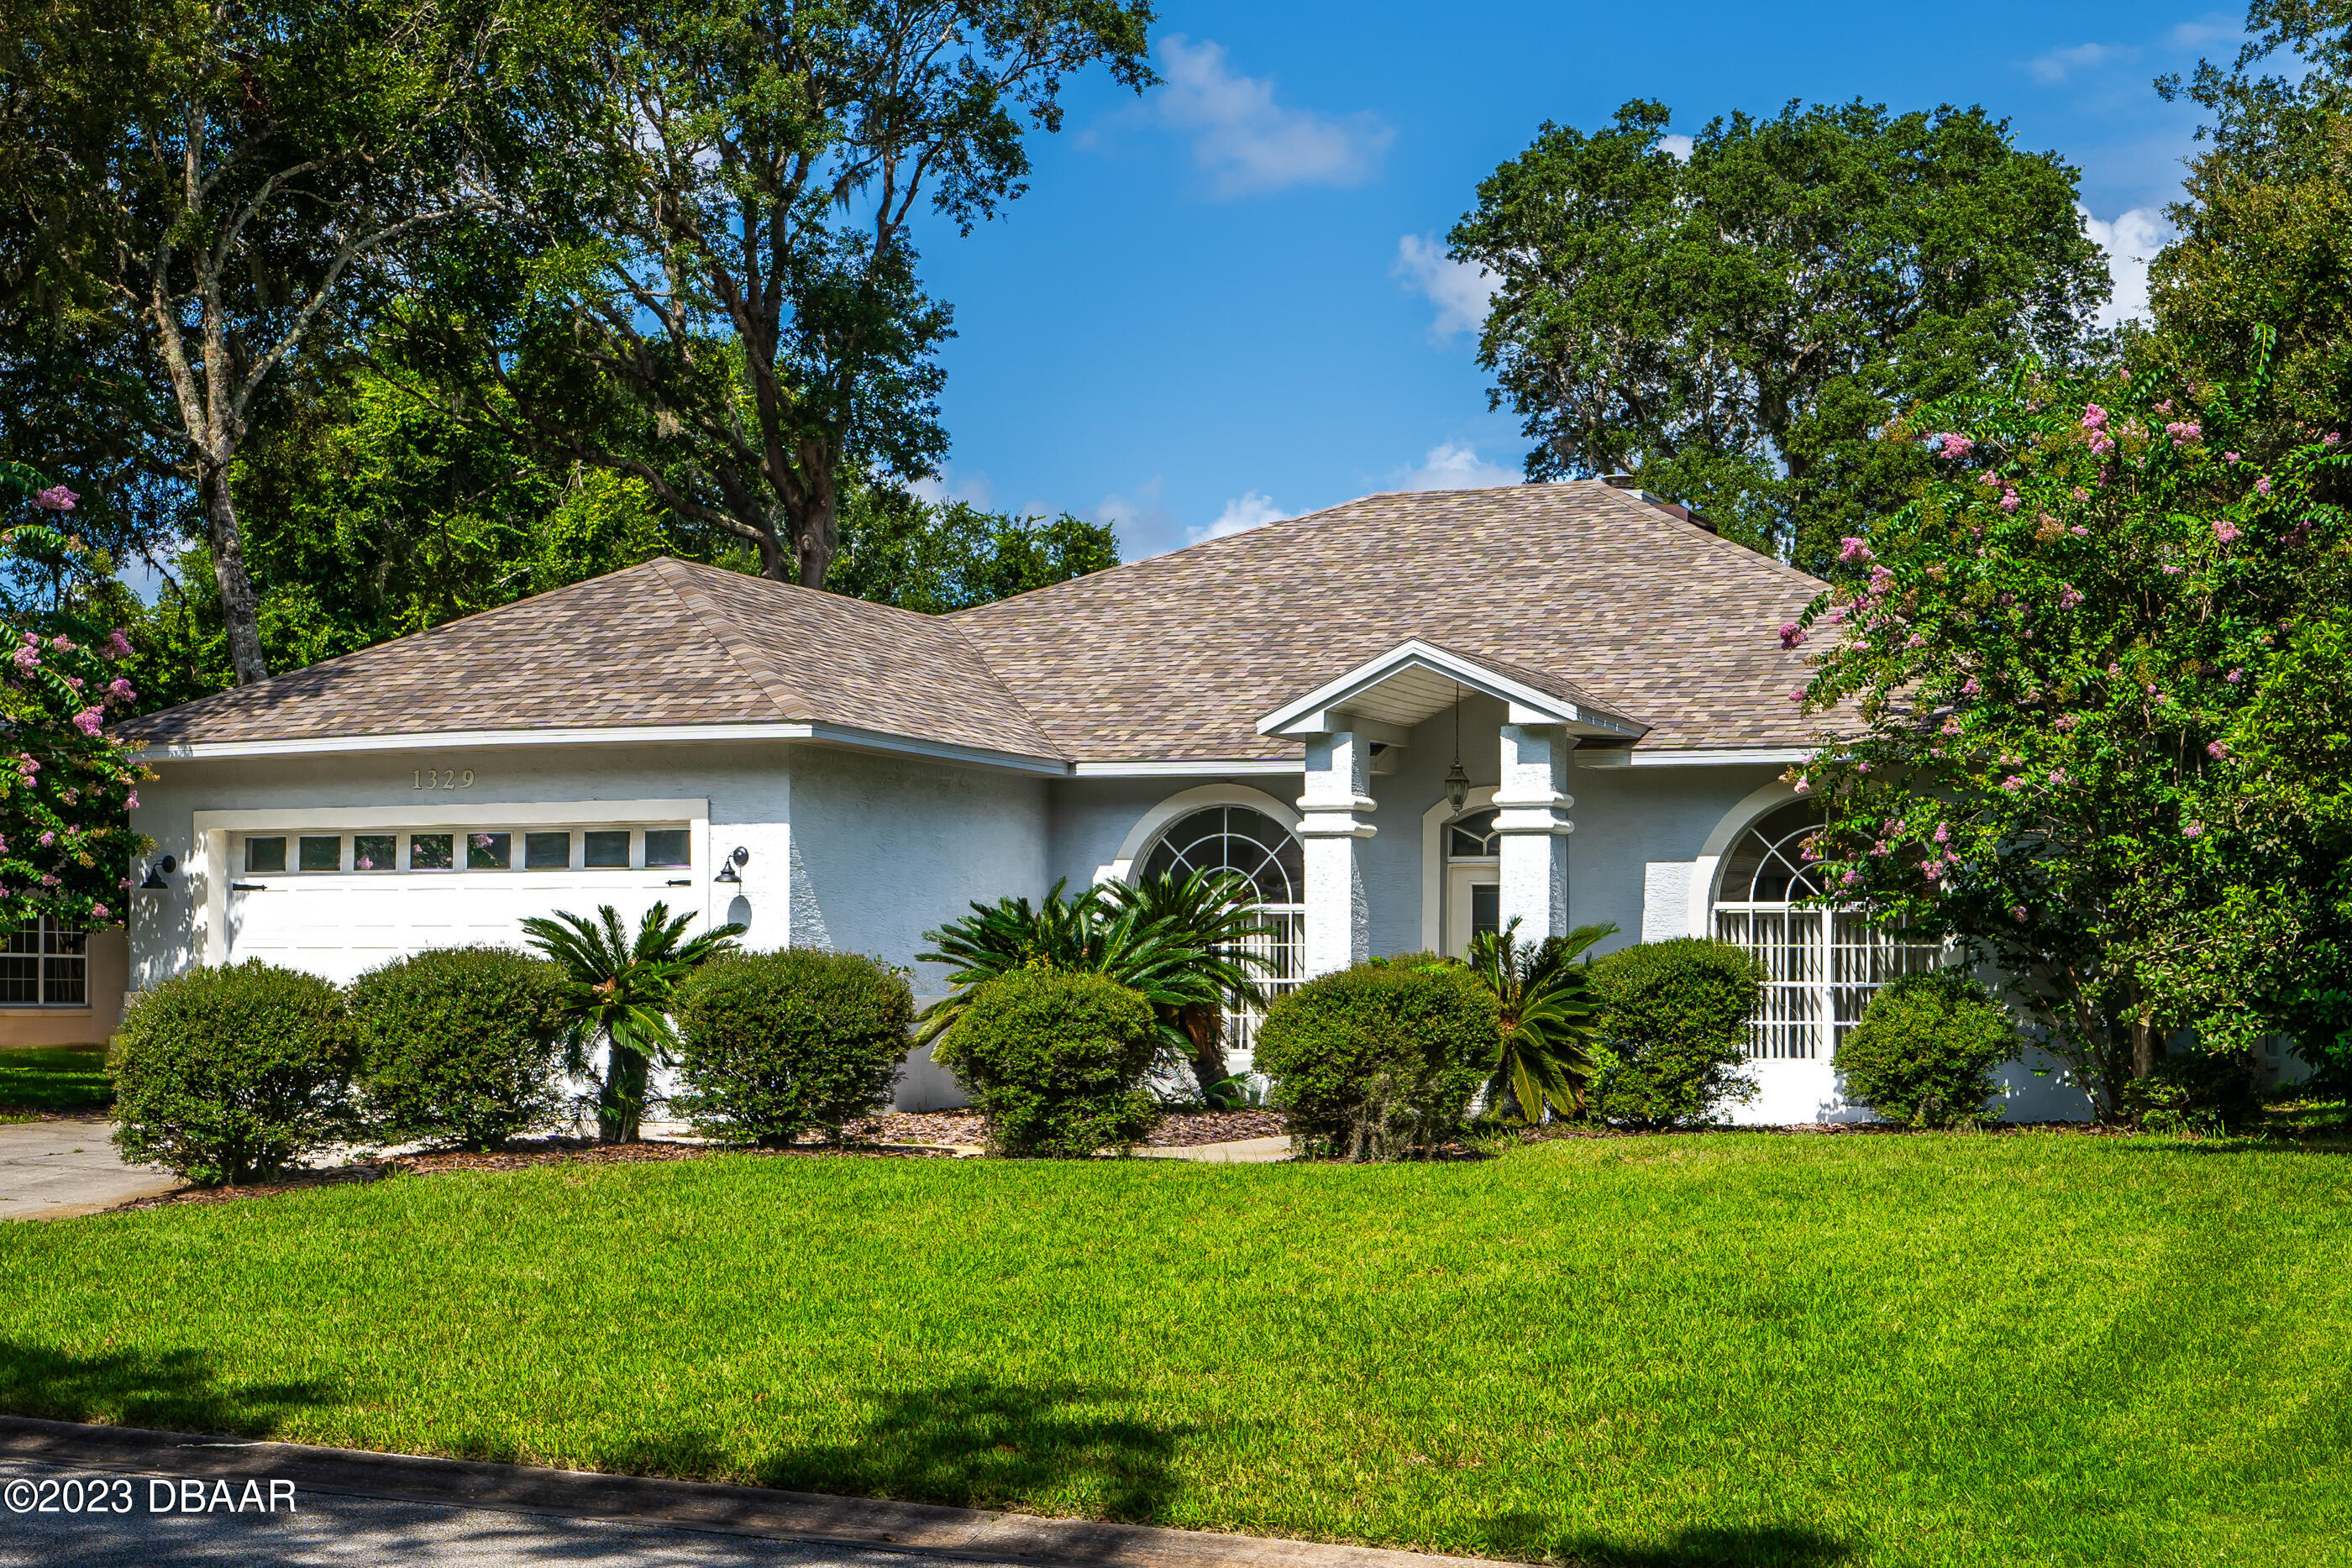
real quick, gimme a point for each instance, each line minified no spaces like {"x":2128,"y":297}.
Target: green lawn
{"x":53,"y":1078}
{"x":1734,"y":1348}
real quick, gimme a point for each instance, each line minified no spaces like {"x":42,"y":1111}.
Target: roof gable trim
{"x":1325,"y":709}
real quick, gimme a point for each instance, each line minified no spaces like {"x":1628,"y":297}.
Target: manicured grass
{"x":1734,"y":1348}
{"x":54,"y":1078}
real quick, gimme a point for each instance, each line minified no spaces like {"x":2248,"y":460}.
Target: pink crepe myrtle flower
{"x":1798,"y":695}
{"x":49,"y":880}
{"x":45,"y":840}
{"x":27,"y":660}
{"x":1950,"y":727}
{"x":62,"y":643}
{"x":2217,"y":749}
{"x":1957,"y":446}
{"x":1792,"y":634}
{"x":1853,"y":547}
{"x":98,"y":910}
{"x":2093,"y":417}
{"x":1943,"y":832}
{"x":2195,"y":829}
{"x":2231,"y":457}
{"x":2069,"y":596}
{"x":1804,"y":787}
{"x":1988,"y":477}
{"x":2185,"y":430}
{"x":1850,"y":878}
{"x":2100,"y":446}
{"x":131,"y":801}
{"x":2165,"y":406}
{"x":90,"y":720}
{"x":2058,"y":776}
{"x":2013,"y":783}
{"x":2331,"y":440}
{"x":1969,"y":688}
{"x":1932,"y":870}
{"x":2017,"y":912}
{"x":1880,"y":850}
{"x":2262,"y":486}
{"x":2081,"y":493}
{"x":2079,"y":531}
{"x":1862,"y":768}
{"x":2009,"y":501}
{"x":2173,"y":569}
{"x":2225,"y":531}
{"x":120,"y":689}
{"x":117,"y":646}
{"x":2234,"y":676}
{"x":55,"y":499}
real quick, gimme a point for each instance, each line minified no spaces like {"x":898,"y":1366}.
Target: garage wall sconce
{"x":727,"y":867}
{"x":156,"y":873}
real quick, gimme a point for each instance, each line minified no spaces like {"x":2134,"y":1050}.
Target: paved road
{"x":49,"y":1170}
{"x":336,"y":1530}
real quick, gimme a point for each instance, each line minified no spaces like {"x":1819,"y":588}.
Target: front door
{"x":1473,"y":902}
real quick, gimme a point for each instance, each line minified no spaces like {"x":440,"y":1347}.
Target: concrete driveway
{"x":54,"y":1170}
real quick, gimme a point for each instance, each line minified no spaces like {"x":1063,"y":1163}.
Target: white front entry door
{"x":1473,"y":898}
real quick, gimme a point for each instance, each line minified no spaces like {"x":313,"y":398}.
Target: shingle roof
{"x":1579,"y":589}
{"x":668,"y":643}
{"x":1179,"y":655}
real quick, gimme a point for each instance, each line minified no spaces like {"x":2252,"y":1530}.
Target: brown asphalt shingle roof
{"x":1178,"y":656}
{"x":668,"y":643}
{"x":1582,"y":590}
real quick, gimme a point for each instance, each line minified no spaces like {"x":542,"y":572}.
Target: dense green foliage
{"x":1056,"y":1060}
{"x":2196,"y":1094}
{"x":459,"y":1045}
{"x":1380,"y":1060}
{"x":1674,"y":1015}
{"x":897,"y":548}
{"x":1546,"y":1012}
{"x":1737,"y":327}
{"x":617,"y":990}
{"x":1922,"y":1352}
{"x":1192,"y":946}
{"x":771,"y":1044}
{"x":1926,"y":1051}
{"x":2093,"y":703}
{"x":226,"y":1074}
{"x":54,"y":1078}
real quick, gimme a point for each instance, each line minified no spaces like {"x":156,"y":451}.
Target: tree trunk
{"x":820,"y":538}
{"x":621,"y":1108}
{"x":240,"y":606}
{"x":2143,"y":1045}
{"x":1205,"y":1028}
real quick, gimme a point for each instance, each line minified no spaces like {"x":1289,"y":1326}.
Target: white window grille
{"x":1234,"y":837}
{"x":1822,"y":963}
{"x":45,"y":964}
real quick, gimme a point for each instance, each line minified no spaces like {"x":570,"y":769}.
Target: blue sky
{"x":1227,"y":302}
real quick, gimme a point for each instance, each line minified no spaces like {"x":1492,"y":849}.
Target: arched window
{"x":1820,"y":963}
{"x":1473,"y":837}
{"x":1236,"y":838}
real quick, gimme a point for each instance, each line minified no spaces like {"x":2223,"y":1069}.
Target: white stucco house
{"x":1288,"y":701}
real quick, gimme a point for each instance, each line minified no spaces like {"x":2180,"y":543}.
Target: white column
{"x":1339,"y":921}
{"x":1531,"y":816}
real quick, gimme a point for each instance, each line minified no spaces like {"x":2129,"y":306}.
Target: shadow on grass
{"x":175,"y":1390}
{"x":1063,"y":1449}
{"x":1532,"y":1538}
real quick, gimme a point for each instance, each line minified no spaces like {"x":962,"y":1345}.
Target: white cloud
{"x":949,"y":485}
{"x":2203,"y":34}
{"x":1244,"y":140}
{"x":1679,"y":145}
{"x":1241,"y":514}
{"x":2131,"y":241}
{"x":1460,"y":290}
{"x":2055,"y":67}
{"x":1456,"y":466}
{"x":1140,"y":516}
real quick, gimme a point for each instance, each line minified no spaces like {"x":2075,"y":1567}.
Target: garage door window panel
{"x":321,"y":853}
{"x":489,"y":852}
{"x":547,"y":852}
{"x":607,"y":848}
{"x":431,"y":852}
{"x":375,"y":851}
{"x":665,"y":846}
{"x":265,"y":855}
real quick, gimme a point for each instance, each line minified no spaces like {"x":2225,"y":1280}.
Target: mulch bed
{"x":1176,"y":1129}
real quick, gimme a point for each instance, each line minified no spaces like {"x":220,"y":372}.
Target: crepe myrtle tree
{"x":2097,"y":731}
{"x":65,"y":786}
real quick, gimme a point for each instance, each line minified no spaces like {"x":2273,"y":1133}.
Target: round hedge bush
{"x":1376,"y":1061}
{"x":1925,"y":1052}
{"x":771,"y":1044}
{"x":459,"y":1045}
{"x":228,"y":1074}
{"x":1674,"y":1025}
{"x":1056,"y":1063}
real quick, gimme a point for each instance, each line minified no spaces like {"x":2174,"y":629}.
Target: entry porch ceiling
{"x":1419,"y":680}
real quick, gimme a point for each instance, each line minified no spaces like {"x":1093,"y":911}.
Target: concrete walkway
{"x":358,"y":1508}
{"x":51,"y":1170}
{"x":1241,"y":1152}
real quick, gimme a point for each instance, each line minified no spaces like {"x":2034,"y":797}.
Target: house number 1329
{"x":442,"y":779}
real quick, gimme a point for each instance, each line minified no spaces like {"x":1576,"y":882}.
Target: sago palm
{"x":1215,"y":915}
{"x":617,"y":991}
{"x":1550,"y":1017}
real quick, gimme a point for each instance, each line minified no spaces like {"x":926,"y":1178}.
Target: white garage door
{"x":339,"y":904}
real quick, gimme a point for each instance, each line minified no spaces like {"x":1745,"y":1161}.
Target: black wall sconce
{"x":727,"y":867}
{"x":156,"y":873}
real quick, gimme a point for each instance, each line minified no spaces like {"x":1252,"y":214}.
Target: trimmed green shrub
{"x":228,"y":1074}
{"x":1379,"y":1060}
{"x":1056,"y":1063}
{"x":770,"y":1043}
{"x":1674,"y":1020}
{"x":458,"y":1045}
{"x":1925,"y":1052}
{"x":2195,"y":1094}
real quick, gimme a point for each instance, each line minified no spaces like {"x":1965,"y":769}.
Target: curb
{"x":638,"y":1500}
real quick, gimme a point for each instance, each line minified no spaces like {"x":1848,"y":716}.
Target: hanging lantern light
{"x":1457,"y":782}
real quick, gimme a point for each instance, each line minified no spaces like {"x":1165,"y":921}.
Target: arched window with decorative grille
{"x":1236,"y":838}
{"x":1820,"y":963}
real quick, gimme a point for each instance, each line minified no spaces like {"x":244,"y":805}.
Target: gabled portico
{"x":1379,"y":705}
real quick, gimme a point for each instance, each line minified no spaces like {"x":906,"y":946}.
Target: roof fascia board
{"x":598,"y":735}
{"x":1254,"y":767}
{"x":1319,"y":711}
{"x":439,"y":813}
{"x":1717,"y":757}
